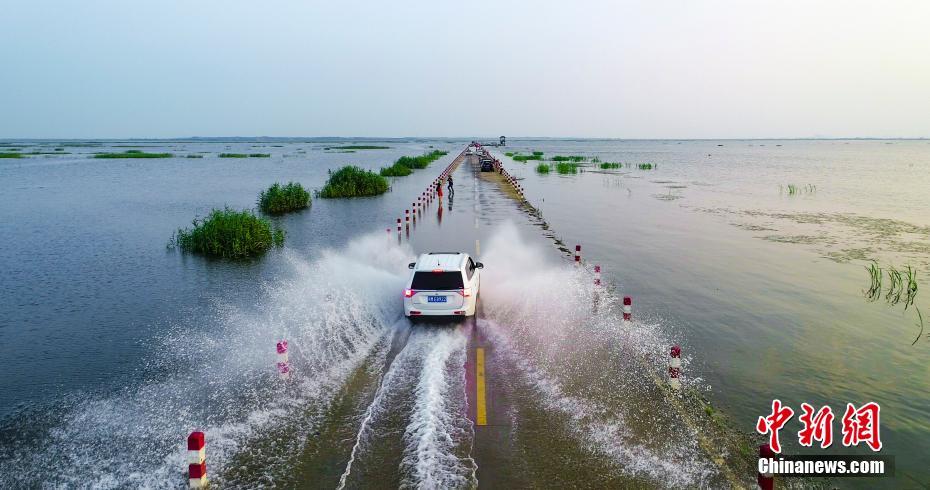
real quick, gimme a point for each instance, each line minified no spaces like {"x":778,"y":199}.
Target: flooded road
{"x":546,"y":387}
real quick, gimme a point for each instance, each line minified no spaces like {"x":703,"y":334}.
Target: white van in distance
{"x":442,"y":284}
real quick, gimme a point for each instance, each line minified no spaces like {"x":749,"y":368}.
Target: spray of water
{"x":218,"y":376}
{"x":569,"y":344}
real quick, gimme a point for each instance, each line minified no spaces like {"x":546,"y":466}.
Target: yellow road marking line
{"x":481,"y":412}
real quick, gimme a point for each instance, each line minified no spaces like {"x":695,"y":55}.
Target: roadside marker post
{"x":627,"y":308}
{"x":284,"y":366}
{"x":398,"y":226}
{"x":577,"y":254}
{"x":674,"y":368}
{"x":597,"y":275}
{"x":196,"y":460}
{"x":766,"y":481}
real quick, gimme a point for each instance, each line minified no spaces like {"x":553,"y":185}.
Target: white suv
{"x":442,"y":284}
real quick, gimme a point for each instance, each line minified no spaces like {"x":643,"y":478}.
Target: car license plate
{"x":435,"y":299}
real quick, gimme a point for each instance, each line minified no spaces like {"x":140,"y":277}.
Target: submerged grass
{"x":259,"y":155}
{"x":358,"y":147}
{"x":794,"y":189}
{"x":230,"y":234}
{"x":645,"y":166}
{"x":610,"y":165}
{"x":566,"y":167}
{"x":351,"y":181}
{"x":10,"y":155}
{"x":543,"y":168}
{"x":902,"y":284}
{"x":569,"y":158}
{"x":133,"y":154}
{"x":524,"y":158}
{"x":233,"y":155}
{"x":280,"y":199}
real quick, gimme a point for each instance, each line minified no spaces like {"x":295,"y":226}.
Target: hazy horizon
{"x":619,"y":70}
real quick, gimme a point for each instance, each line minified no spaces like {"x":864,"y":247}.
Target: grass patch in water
{"x":10,"y":155}
{"x":902,"y":284}
{"x":566,"y":167}
{"x":610,"y":165}
{"x":351,"y":181}
{"x":359,"y":147}
{"x":233,"y":155}
{"x":543,"y":168}
{"x":509,"y":153}
{"x":192,"y":155}
{"x":795,"y":190}
{"x":229,"y":234}
{"x":645,"y":166}
{"x":279,"y":199}
{"x":396,"y":170}
{"x":133,"y":154}
{"x":569,"y":158}
{"x":524,"y":158}
{"x":259,"y":155}
{"x":421,"y":161}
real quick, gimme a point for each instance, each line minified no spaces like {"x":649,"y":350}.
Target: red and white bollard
{"x":196,"y":460}
{"x":577,"y":254}
{"x":407,"y":218}
{"x":597,"y":275}
{"x":766,"y":481}
{"x":627,"y":308}
{"x":284,"y":365}
{"x":674,"y":368}
{"x":414,"y":212}
{"x":398,"y":226}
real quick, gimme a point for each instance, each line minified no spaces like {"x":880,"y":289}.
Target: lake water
{"x":110,"y":341}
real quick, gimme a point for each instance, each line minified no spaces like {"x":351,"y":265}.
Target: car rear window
{"x":439,"y":281}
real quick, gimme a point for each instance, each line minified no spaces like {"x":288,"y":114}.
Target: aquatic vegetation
{"x":543,"y":168}
{"x":230,"y":234}
{"x":571,"y":158}
{"x":396,"y":170}
{"x":359,"y":147}
{"x":351,"y":181}
{"x":280,"y":199}
{"x":566,"y":167}
{"x":259,"y":155}
{"x":133,"y":154}
{"x":902,"y":285}
{"x":509,"y":153}
{"x":233,"y":155}
{"x":10,"y":155}
{"x":194,"y":155}
{"x":421,"y":161}
{"x":538,"y":153}
{"x":645,"y":166}
{"x":794,"y":190}
{"x":920,"y":324}
{"x":595,"y":160}
{"x":610,"y":165}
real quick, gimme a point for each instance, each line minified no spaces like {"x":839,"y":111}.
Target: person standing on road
{"x":451,"y":190}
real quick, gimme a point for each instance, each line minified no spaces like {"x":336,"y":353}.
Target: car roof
{"x":447,"y":261}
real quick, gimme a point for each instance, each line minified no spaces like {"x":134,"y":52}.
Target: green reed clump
{"x":893,"y":294}
{"x":543,"y":168}
{"x":396,"y":170}
{"x":133,"y":154}
{"x":351,"y":181}
{"x":280,"y":199}
{"x":645,"y":166}
{"x":509,"y":153}
{"x":566,"y":167}
{"x":233,"y":155}
{"x":570,"y":158}
{"x":794,"y":189}
{"x":10,"y":155}
{"x":259,"y":155}
{"x":610,"y":165}
{"x":538,"y":153}
{"x":421,"y":161}
{"x":230,"y":234}
{"x":910,"y":289}
{"x":875,"y":289}
{"x":524,"y":158}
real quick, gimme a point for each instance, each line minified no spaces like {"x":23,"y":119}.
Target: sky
{"x":614,"y":69}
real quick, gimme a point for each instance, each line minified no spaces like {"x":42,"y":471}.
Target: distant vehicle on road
{"x":442,"y":284}
{"x":487,"y":165}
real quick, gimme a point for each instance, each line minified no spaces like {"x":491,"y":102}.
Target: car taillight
{"x":465,"y":292}
{"x":408,"y":293}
